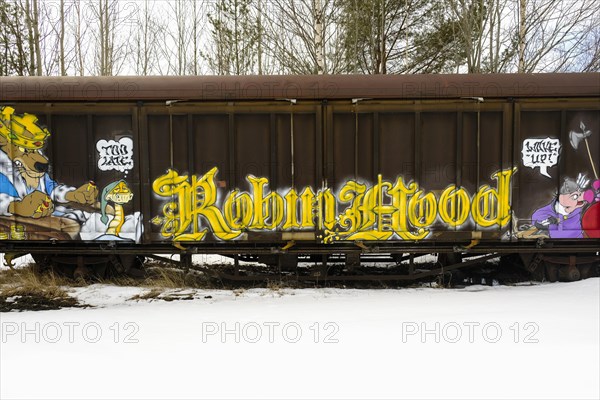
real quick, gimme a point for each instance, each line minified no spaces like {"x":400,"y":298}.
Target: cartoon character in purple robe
{"x":562,"y":217}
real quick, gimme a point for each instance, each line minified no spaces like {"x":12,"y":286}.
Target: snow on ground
{"x":17,"y":262}
{"x":528,"y":341}
{"x":208,"y":259}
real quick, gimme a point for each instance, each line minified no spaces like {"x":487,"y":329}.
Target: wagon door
{"x":219,"y":172}
{"x":420,"y":170}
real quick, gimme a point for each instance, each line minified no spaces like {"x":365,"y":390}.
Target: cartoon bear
{"x":26,"y":189}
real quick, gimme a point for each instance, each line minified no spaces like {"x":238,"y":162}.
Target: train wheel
{"x":569,"y":273}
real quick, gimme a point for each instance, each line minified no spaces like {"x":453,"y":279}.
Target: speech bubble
{"x":115,"y":155}
{"x":542,"y":153}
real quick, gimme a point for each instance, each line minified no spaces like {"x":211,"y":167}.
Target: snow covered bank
{"x":539,"y":341}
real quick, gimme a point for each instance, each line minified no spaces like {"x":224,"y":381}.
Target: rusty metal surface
{"x":235,"y":88}
{"x":437,"y":141}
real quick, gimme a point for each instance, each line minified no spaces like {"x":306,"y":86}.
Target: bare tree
{"x":197,"y":29}
{"x":54,"y":44}
{"x":472,"y":18}
{"x":61,"y":39}
{"x":31,"y":12}
{"x":522,"y":33}
{"x":105,"y":41}
{"x":15,"y":42}
{"x":318,"y":33}
{"x":501,"y":48}
{"x":147,"y":40}
{"x":260,"y":37}
{"x":78,"y":28}
{"x":302,"y":36}
{"x":180,"y":36}
{"x":551,"y":33}
{"x":591,"y":48}
{"x":111,"y":37}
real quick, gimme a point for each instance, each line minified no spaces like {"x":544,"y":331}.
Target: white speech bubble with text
{"x":115,"y":155}
{"x":542,"y":153}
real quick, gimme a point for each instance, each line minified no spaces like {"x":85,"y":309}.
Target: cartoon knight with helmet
{"x":562,"y":216}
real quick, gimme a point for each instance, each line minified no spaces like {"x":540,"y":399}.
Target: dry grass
{"x":149,"y":295}
{"x":28,"y":276}
{"x":168,"y":278}
{"x":25,"y":289}
{"x":162,"y":281}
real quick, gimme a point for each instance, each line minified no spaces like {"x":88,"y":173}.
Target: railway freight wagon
{"x":322,"y":168}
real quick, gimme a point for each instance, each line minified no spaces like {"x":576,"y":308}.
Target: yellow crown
{"x":22,"y":130}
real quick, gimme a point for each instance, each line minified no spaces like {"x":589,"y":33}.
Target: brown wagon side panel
{"x":400,"y":161}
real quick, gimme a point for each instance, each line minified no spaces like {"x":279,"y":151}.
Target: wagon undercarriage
{"x":351,"y":262}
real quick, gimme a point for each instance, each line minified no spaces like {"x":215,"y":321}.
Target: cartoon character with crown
{"x":26,"y":189}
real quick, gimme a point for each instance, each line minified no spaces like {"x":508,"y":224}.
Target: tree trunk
{"x":522,"y":29}
{"x":318,"y":32}
{"x":61,"y":40}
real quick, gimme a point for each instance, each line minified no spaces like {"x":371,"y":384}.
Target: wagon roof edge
{"x":301,"y":87}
